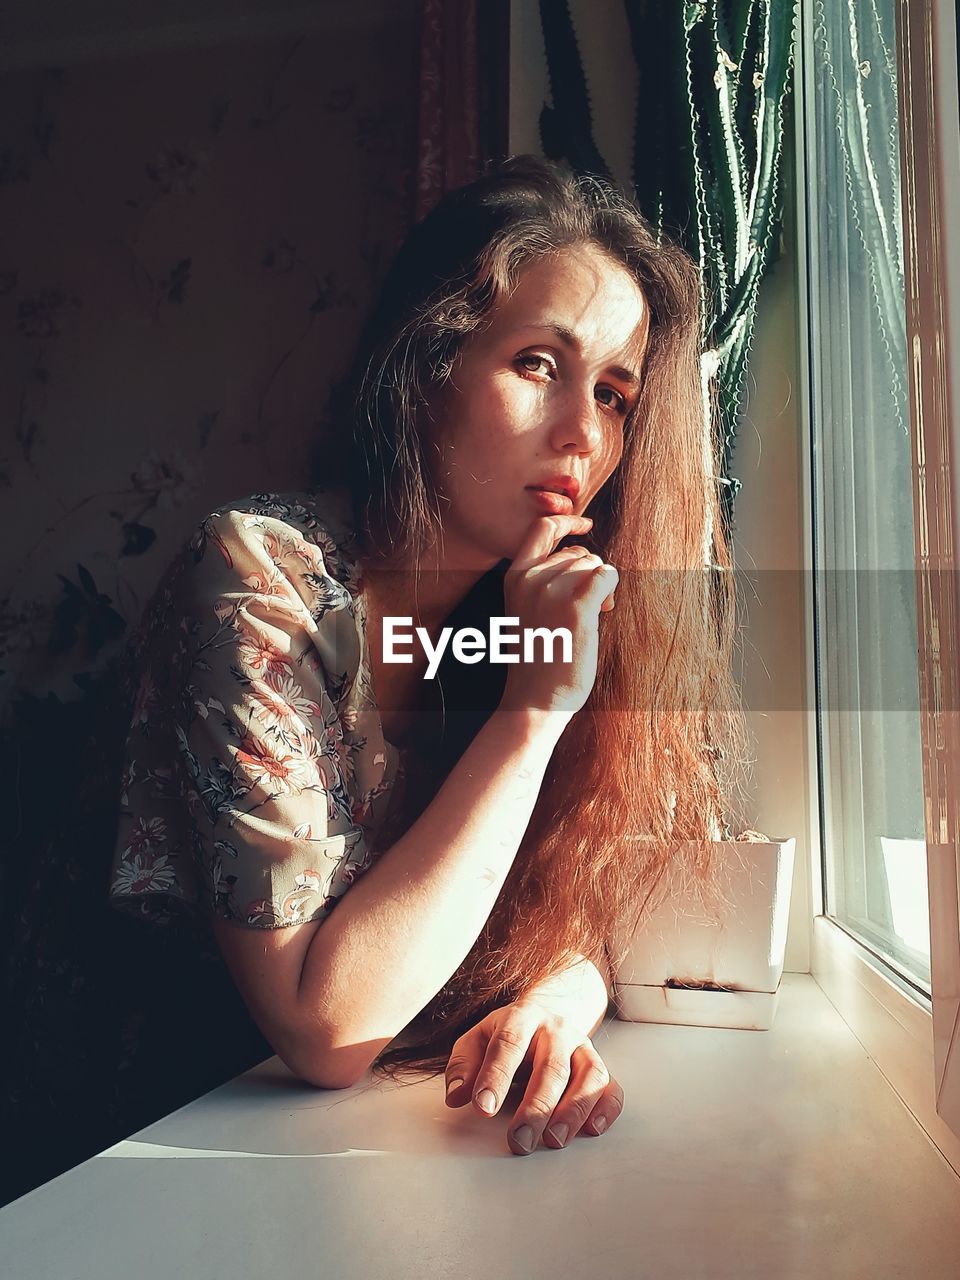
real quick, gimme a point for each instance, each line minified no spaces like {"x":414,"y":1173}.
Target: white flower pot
{"x":718,"y":966}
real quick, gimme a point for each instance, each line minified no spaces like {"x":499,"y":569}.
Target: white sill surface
{"x":780,"y":1154}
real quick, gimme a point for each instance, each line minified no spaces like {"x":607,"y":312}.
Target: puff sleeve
{"x":256,"y":769}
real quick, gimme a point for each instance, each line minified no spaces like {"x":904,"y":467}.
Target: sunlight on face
{"x":538,"y":399}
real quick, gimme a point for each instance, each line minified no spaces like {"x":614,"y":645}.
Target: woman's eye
{"x":616,"y":401}
{"x":536,"y":364}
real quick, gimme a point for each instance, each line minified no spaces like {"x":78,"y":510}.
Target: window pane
{"x":865,"y":590}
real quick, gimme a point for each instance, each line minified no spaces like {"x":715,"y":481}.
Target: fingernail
{"x":559,"y":1133}
{"x":453,"y":1084}
{"x":487,"y":1101}
{"x":600,"y":1124}
{"x":523,"y":1137}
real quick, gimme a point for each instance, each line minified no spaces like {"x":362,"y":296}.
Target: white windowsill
{"x":896,"y":1031}
{"x":780,"y":1153}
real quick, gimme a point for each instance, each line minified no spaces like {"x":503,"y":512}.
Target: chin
{"x":502,"y":549}
{"x":506,"y":542}
{"x":483,"y":542}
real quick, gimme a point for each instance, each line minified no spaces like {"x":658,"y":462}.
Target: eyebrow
{"x":571,"y":340}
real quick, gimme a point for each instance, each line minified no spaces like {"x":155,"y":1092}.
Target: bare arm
{"x":580,"y":993}
{"x":329,"y":997}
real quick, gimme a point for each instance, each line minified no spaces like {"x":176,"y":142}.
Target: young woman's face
{"x":537,"y":403}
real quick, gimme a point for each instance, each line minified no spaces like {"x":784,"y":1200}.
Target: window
{"x":873,"y":296}
{"x":865,"y":582}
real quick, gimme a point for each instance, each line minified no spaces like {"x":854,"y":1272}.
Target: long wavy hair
{"x":650,"y":772}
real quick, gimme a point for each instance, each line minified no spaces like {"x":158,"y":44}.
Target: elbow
{"x":322,"y":1081}
{"x":324,"y":1078}
{"x":325,"y":1068}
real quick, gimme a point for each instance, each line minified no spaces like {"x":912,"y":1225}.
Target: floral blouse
{"x":257,"y":779}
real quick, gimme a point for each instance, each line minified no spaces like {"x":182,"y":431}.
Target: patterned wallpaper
{"x":187,"y":242}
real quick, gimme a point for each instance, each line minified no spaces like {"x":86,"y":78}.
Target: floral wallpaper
{"x":188,"y":242}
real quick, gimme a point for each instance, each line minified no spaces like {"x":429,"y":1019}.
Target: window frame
{"x":915,"y":1043}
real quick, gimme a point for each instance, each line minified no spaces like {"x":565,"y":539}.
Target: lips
{"x":569,"y":486}
{"x":550,"y":502}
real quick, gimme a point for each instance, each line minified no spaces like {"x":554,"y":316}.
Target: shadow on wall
{"x":190,"y":239}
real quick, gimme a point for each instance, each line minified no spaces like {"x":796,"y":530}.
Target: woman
{"x":530,"y":376}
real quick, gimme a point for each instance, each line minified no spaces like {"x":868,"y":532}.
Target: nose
{"x":576,"y":428}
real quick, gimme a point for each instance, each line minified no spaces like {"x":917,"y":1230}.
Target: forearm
{"x":580,"y":994}
{"x":409,"y":922}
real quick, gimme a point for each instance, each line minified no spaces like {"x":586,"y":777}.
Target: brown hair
{"x":658,"y":750}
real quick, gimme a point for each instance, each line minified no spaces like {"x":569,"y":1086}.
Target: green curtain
{"x":713,"y":76}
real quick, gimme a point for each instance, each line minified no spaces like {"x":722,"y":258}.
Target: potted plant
{"x":711,"y":960}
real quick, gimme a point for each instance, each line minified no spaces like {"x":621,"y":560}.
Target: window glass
{"x":864,"y":559}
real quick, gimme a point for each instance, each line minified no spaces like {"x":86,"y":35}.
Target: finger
{"x":589,"y":1084}
{"x":561,"y":562}
{"x":548,"y":1080}
{"x":585,"y":578}
{"x":601,"y":584}
{"x":606,"y":1110}
{"x":543,"y":535}
{"x":463,"y":1065}
{"x":573,"y":551}
{"x":506,"y":1047}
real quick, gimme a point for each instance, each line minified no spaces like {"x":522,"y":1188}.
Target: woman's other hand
{"x":569,"y":1089}
{"x":567,"y":588}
